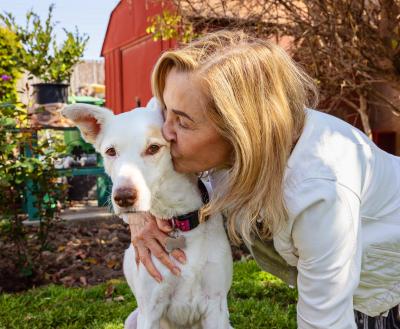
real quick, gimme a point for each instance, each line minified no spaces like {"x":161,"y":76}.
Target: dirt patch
{"x":79,"y":254}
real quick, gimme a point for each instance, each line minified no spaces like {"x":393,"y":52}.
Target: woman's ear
{"x":90,"y":119}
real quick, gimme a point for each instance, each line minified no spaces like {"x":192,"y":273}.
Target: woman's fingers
{"x":145,"y":259}
{"x":158,"y":251}
{"x":150,"y":241}
{"x":137,"y":259}
{"x":179,"y":255}
{"x":164,"y":225}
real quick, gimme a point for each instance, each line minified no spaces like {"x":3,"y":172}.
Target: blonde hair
{"x":256,"y":99}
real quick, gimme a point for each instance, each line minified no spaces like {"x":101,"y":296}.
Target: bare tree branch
{"x":347,"y":46}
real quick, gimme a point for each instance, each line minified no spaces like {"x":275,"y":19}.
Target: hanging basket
{"x":46,"y":93}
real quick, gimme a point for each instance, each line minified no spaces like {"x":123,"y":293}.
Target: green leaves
{"x":168,"y":26}
{"x":40,"y":55}
{"x":67,"y":56}
{"x":26,"y":165}
{"x":10,"y":55}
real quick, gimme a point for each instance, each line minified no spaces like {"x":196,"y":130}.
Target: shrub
{"x":21,"y":172}
{"x":41,"y":56}
{"x":10,"y":55}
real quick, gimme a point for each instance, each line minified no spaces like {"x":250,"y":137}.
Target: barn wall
{"x":130,"y":54}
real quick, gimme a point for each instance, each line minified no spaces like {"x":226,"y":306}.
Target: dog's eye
{"x":111,"y":152}
{"x":153,"y":149}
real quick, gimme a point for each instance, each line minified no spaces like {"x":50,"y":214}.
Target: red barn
{"x":130,"y":54}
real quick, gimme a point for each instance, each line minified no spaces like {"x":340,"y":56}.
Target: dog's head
{"x":136,"y":156}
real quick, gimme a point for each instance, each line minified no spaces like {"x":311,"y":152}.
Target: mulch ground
{"x":78,"y":254}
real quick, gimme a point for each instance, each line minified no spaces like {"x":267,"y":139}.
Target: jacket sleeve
{"x":326,"y":237}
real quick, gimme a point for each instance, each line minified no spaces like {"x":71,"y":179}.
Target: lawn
{"x":256,"y":300}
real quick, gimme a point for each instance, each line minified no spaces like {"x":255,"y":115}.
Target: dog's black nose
{"x":125,"y":197}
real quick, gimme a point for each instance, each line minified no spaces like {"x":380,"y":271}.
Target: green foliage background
{"x":40,"y":54}
{"x":26,"y":165}
{"x":10,"y":56}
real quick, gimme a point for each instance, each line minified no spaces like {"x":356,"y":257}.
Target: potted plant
{"x":43,"y":58}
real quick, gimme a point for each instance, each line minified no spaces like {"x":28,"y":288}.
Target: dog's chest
{"x":191,"y":291}
{"x":185,"y":299}
{"x":188,"y":301}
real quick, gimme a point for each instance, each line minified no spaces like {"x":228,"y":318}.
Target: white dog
{"x":138,"y":160}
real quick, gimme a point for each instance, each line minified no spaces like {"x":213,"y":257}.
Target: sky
{"x":90,"y":16}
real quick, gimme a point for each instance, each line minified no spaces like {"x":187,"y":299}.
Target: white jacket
{"x":343,"y":233}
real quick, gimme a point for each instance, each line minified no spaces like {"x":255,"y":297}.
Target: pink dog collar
{"x":190,"y":220}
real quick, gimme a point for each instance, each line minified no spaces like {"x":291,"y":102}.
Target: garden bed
{"x":78,"y":254}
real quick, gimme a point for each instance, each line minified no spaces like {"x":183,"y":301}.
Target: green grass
{"x":256,"y":300}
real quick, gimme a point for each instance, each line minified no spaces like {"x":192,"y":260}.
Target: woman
{"x":312,"y":197}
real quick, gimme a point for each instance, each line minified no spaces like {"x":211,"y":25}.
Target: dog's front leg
{"x":146,"y":321}
{"x":147,"y":293}
{"x":217,"y":314}
{"x":149,"y":314}
{"x":152,"y":304}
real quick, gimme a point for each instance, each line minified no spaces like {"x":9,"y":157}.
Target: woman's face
{"x":195,"y":144}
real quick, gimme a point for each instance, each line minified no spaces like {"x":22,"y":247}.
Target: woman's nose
{"x":168,"y":131}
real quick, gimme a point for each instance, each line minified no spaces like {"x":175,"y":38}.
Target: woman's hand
{"x":148,"y":236}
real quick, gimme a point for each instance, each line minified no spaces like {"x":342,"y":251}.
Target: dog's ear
{"x":154,"y":104}
{"x":90,"y":119}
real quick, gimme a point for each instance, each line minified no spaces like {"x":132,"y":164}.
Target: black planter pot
{"x":46,"y":93}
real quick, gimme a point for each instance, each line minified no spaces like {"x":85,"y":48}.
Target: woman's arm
{"x":148,"y":236}
{"x":326,"y":234}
